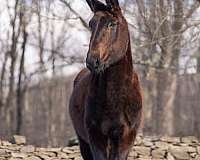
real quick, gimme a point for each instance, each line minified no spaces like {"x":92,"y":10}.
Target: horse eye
{"x":92,"y":24}
{"x":112,"y":24}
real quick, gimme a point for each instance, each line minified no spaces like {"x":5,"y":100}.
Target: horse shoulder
{"x":81,"y":83}
{"x":133,"y":111}
{"x":83,"y":73}
{"x":77,"y":101}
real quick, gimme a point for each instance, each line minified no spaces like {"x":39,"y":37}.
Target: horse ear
{"x":113,"y":3}
{"x":95,"y":5}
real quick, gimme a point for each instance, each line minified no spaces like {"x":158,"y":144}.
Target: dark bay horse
{"x":106,"y":103}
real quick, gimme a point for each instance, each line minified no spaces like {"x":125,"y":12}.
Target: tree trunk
{"x":3,"y":71}
{"x":10,"y":106}
{"x":176,"y":50}
{"x":167,"y":78}
{"x":20,"y":90}
{"x":198,"y":61}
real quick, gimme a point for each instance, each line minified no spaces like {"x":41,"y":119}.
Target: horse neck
{"x":114,"y":82}
{"x":119,"y":74}
{"x":122,"y":69}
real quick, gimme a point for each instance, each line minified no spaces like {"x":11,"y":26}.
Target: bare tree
{"x":20,"y":93}
{"x":163,"y":28}
{"x":12,"y":52}
{"x":198,"y":60}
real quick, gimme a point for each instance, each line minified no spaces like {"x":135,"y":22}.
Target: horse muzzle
{"x":95,"y":65}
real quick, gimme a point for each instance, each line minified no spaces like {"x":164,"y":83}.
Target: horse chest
{"x":105,"y":116}
{"x":107,"y":104}
{"x":105,"y":125}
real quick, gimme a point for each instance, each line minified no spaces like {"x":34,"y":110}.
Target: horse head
{"x":110,"y":36}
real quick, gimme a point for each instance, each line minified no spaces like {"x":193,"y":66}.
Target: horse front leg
{"x":121,"y":140}
{"x":98,"y":145}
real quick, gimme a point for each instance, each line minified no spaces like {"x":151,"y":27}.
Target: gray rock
{"x":133,"y":154}
{"x":2,"y":152}
{"x":193,"y":155}
{"x":143,"y":150}
{"x":162,"y":145}
{"x":19,"y":139}
{"x":138,"y":141}
{"x":170,"y":157}
{"x":179,"y":153}
{"x":73,"y":142}
{"x":75,"y":147}
{"x":12,"y":158}
{"x":50,"y":154}
{"x":6,"y":143}
{"x":18,"y":155}
{"x":78,"y":158}
{"x":158,"y":153}
{"x":198,"y":150}
{"x":62,"y":155}
{"x":147,"y":143}
{"x":48,"y":149}
{"x":43,"y":156}
{"x":189,"y":139}
{"x":170,"y":139}
{"x":27,"y":149}
{"x":71,"y":156}
{"x":67,"y":150}
{"x":14,"y":148}
{"x":189,"y":149}
{"x":32,"y":158}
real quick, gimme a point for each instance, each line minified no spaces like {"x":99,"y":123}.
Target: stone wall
{"x":145,"y":148}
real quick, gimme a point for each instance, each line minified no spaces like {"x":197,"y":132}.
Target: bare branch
{"x":84,"y":23}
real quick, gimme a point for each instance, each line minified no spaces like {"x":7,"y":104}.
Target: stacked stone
{"x":165,"y":148}
{"x":146,"y":148}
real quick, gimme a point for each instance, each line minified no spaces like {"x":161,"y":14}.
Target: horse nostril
{"x":97,"y":62}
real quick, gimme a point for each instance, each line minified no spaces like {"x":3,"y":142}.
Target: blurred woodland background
{"x":43,"y":45}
